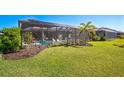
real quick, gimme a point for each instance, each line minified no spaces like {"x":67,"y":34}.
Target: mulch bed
{"x":24,"y":53}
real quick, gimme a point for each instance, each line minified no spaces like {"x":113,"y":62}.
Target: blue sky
{"x":115,"y":22}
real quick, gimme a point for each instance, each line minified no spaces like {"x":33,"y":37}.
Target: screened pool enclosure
{"x":44,"y":33}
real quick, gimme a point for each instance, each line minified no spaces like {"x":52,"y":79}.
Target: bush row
{"x":120,"y":36}
{"x":99,"y":38}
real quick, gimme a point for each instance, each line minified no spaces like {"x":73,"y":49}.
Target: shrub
{"x":11,"y":40}
{"x":120,"y":36}
{"x":99,"y":38}
{"x":28,"y":37}
{"x":102,"y":38}
{"x":96,"y":38}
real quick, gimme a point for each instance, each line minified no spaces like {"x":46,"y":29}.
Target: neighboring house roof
{"x":46,"y":24}
{"x":107,"y":30}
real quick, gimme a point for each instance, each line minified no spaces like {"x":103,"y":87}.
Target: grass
{"x":103,"y":59}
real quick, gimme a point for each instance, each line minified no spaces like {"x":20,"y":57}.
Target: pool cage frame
{"x":48,"y":31}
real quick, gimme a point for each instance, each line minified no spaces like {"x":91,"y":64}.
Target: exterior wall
{"x":110,"y":35}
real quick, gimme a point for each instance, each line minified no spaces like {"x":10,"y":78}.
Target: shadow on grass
{"x":75,"y":46}
{"x":119,"y":45}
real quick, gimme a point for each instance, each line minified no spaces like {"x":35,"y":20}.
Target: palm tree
{"x":87,"y":29}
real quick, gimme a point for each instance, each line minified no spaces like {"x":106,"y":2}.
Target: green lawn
{"x":103,"y":59}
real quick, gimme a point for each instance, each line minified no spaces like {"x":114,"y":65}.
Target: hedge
{"x":10,"y":40}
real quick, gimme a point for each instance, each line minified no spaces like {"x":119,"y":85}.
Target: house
{"x":108,"y":33}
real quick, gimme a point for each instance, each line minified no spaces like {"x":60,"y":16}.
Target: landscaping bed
{"x":25,"y":52}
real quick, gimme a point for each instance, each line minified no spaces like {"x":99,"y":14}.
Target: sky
{"x":111,"y":21}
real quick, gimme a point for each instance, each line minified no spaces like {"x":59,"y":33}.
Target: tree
{"x":10,"y":40}
{"x":88,"y":31}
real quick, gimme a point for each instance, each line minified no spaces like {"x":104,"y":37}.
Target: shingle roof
{"x":107,"y":29}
